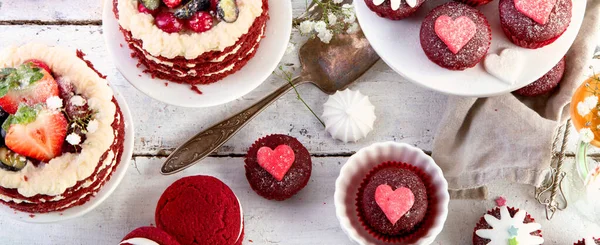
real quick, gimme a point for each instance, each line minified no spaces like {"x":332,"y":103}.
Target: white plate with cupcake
{"x":196,"y":53}
{"x":69,"y":135}
{"x":496,"y":47}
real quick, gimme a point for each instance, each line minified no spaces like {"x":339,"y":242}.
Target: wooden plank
{"x":161,"y":128}
{"x":70,"y":11}
{"x":307,"y":218}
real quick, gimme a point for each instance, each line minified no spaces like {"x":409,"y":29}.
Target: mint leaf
{"x":25,"y":114}
{"x":21,"y":77}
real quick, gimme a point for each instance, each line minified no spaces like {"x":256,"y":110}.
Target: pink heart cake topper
{"x":455,"y":33}
{"x":277,"y":162}
{"x":394,"y":204}
{"x":537,"y":10}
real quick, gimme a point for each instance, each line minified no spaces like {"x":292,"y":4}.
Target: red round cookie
{"x":482,"y":224}
{"x":200,"y":210}
{"x":151,"y":233}
{"x":474,"y":3}
{"x":546,"y":83}
{"x":526,"y":32}
{"x":472,"y":50}
{"x":385,"y":9}
{"x":582,"y":242}
{"x":263,"y":182}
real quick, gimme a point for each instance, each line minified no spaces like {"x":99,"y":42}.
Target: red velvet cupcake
{"x":593,"y":241}
{"x":393,"y":203}
{"x":278,"y":166}
{"x":200,"y":210}
{"x":455,"y":36}
{"x":546,"y":83}
{"x":534,"y":23}
{"x":394,"y":9}
{"x":474,"y":3}
{"x":507,"y":225}
{"x":148,"y":235}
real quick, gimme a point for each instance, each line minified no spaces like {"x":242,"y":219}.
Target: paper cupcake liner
{"x":422,"y":227}
{"x":526,"y":44}
{"x":582,"y":241}
{"x":478,"y":240}
{"x":474,"y":3}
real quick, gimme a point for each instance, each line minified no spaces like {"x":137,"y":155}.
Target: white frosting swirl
{"x":187,"y":44}
{"x":348,"y":115}
{"x":139,"y":241}
{"x":63,"y":172}
{"x":395,"y":4}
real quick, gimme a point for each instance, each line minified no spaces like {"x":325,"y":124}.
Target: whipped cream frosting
{"x":348,"y":115}
{"x":187,"y":44}
{"x":139,"y":241}
{"x":395,"y":4}
{"x":63,"y":172}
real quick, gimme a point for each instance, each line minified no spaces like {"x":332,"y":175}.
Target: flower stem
{"x":286,"y":75}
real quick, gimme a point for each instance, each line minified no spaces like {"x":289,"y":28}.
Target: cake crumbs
{"x":32,"y":216}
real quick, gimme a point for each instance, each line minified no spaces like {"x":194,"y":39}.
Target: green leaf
{"x":25,"y":115}
{"x":21,"y":77}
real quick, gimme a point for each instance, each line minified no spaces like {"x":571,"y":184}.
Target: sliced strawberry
{"x":39,"y":64}
{"x":30,"y":94}
{"x":37,"y":133}
{"x":172,"y":3}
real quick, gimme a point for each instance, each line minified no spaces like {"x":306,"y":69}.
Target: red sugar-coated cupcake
{"x":506,"y":224}
{"x":534,"y":23}
{"x":546,"y":83}
{"x":394,"y":9}
{"x":147,"y":234}
{"x":474,"y":3}
{"x":455,"y":36}
{"x":277,"y":167}
{"x":199,"y":210}
{"x":586,"y":242}
{"x":393,"y":204}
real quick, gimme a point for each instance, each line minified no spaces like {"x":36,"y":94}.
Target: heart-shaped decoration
{"x":277,"y":162}
{"x":537,"y":10}
{"x":507,"y":66}
{"x":455,"y":33}
{"x":394,"y":204}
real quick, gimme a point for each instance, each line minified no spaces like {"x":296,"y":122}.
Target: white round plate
{"x":398,"y":44}
{"x":104,"y":192}
{"x":258,"y":69}
{"x":363,"y":161}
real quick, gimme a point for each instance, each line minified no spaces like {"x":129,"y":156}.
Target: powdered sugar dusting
{"x":538,"y":10}
{"x":525,"y":28}
{"x":455,"y":33}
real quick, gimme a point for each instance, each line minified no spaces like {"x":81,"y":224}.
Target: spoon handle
{"x":207,"y":141}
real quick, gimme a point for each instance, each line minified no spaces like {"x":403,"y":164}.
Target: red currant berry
{"x":167,"y":22}
{"x":200,"y":22}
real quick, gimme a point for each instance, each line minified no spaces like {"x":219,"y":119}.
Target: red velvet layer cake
{"x":64,"y":129}
{"x":181,"y":52}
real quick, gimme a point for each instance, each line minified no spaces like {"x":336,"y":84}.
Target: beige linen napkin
{"x":509,"y":138}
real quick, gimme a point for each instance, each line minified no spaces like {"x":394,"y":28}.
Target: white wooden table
{"x":406,"y":113}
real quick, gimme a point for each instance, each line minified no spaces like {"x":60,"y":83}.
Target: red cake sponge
{"x":150,"y":233}
{"x":200,"y":210}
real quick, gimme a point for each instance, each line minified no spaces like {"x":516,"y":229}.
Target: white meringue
{"x":348,"y":115}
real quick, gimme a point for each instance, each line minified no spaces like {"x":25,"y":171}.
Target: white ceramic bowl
{"x":398,"y":44}
{"x":357,"y":167}
{"x":258,"y":69}
{"x":108,"y":188}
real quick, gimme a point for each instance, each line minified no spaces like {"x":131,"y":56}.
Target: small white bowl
{"x":357,"y":167}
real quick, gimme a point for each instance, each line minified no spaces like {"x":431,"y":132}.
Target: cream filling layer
{"x":188,"y":45}
{"x":63,"y":172}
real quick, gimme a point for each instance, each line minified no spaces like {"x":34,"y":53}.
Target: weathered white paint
{"x":307,"y":218}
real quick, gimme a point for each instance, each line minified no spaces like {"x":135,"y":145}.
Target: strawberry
{"x":36,"y":132}
{"x":172,"y":3}
{"x":39,"y":64}
{"x":26,"y":84}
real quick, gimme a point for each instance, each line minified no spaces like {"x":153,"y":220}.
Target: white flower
{"x":332,"y":19}
{"x":54,"y":103}
{"x":92,"y":126}
{"x":325,"y":36}
{"x":591,"y":101}
{"x":77,"y":100}
{"x":73,"y":139}
{"x":582,"y":109}
{"x":353,"y":28}
{"x":307,"y":26}
{"x":337,"y":1}
{"x":588,"y":104}
{"x":586,"y":135}
{"x":320,"y":26}
{"x":351,"y":18}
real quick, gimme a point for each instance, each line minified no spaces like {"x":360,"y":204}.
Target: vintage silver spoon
{"x":330,"y":67}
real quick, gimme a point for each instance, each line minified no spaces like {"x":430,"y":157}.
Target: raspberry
{"x":200,"y":22}
{"x":167,"y":22}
